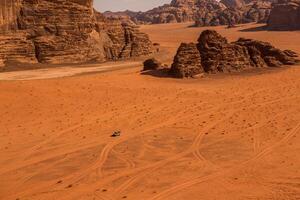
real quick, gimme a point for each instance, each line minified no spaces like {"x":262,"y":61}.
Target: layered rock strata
{"x":217,"y":55}
{"x":187,"y":61}
{"x":257,"y":11}
{"x":65,"y":31}
{"x":175,"y":12}
{"x":202,"y":12}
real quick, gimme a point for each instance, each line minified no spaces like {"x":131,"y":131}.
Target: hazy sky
{"x":135,"y":5}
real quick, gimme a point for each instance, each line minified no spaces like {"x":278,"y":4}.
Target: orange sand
{"x":232,"y":137}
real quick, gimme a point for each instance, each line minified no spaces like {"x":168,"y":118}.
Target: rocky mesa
{"x":65,"y":31}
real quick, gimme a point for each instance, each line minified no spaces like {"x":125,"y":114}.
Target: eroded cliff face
{"x":176,"y":12}
{"x":202,"y":12}
{"x":65,"y":31}
{"x":234,"y":3}
{"x":9,"y":10}
{"x":255,"y":11}
{"x":14,"y":45}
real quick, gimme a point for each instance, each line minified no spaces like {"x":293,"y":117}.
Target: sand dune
{"x":221,"y":137}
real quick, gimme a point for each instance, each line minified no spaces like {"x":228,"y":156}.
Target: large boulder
{"x":285,"y":15}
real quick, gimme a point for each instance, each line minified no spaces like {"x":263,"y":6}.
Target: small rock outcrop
{"x":151,"y":64}
{"x":214,"y":54}
{"x":65,"y":31}
{"x":187,"y":62}
{"x":285,"y":15}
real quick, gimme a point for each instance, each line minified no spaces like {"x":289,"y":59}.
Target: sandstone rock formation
{"x":124,"y":40}
{"x":151,"y":64}
{"x":256,"y":11}
{"x":233,"y":3}
{"x":214,"y":54}
{"x":16,"y":48}
{"x":220,"y":56}
{"x":175,"y":12}
{"x":285,"y":15}
{"x":202,"y":12}
{"x":65,"y":31}
{"x":187,"y":62}
{"x":261,"y":52}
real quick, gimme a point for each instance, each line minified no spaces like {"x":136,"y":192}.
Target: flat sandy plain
{"x":229,"y":137}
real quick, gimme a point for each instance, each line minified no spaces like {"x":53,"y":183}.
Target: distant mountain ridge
{"x":203,"y":12}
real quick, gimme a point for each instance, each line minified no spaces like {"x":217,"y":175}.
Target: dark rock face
{"x":214,"y":54}
{"x":125,"y":40}
{"x":151,"y":64}
{"x":220,"y":56}
{"x":65,"y":31}
{"x":187,"y":62}
{"x":285,"y":15}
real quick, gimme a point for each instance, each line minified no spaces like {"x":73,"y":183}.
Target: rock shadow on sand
{"x":160,"y":73}
{"x":256,"y":29}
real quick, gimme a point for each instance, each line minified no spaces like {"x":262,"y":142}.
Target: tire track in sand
{"x":145,"y":168}
{"x":184,"y":185}
{"x":193,"y":148}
